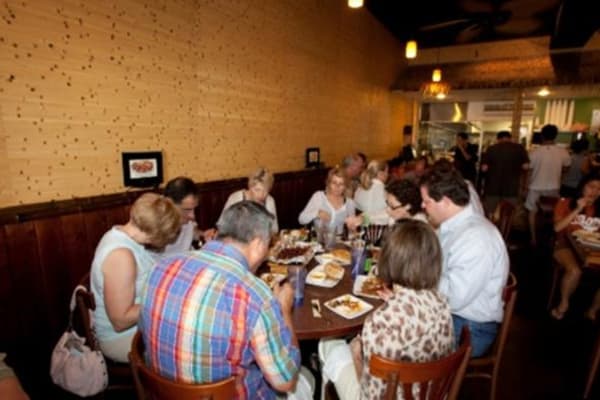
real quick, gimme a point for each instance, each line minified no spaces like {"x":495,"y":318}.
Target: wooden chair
{"x":488,"y":366}
{"x":150,"y":385}
{"x":503,"y":217}
{"x":119,"y":374}
{"x":439,"y":379}
{"x":595,"y":361}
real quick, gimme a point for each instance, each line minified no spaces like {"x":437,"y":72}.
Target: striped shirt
{"x":206,"y":317}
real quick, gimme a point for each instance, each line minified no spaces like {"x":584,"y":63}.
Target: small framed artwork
{"x":142,"y":169}
{"x":313,"y":157}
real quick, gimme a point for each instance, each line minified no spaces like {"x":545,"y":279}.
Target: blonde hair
{"x":337,"y":172}
{"x":262,"y":176}
{"x":374,"y":167}
{"x":158,"y":217}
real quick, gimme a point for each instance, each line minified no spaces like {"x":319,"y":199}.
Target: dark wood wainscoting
{"x":45,"y":249}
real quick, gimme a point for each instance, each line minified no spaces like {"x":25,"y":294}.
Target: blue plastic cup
{"x":297,"y":278}
{"x":359,"y":257}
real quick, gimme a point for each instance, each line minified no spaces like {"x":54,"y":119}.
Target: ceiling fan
{"x":491,"y":19}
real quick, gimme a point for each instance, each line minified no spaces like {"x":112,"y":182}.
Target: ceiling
{"x":439,"y":23}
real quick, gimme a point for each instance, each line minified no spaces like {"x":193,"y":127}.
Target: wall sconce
{"x":355,"y":3}
{"x":411,"y":49}
{"x":437,"y":75}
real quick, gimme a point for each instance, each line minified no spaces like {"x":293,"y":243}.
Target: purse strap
{"x":73,"y":304}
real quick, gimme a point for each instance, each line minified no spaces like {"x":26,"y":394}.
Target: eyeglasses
{"x":393,"y":207}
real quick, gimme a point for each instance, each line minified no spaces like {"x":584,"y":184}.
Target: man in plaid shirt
{"x":206,"y":316}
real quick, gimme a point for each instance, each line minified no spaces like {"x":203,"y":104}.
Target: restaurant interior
{"x":218,"y":88}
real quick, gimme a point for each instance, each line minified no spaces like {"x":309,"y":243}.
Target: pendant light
{"x":411,"y":49}
{"x":355,"y":3}
{"x":436,"y":76}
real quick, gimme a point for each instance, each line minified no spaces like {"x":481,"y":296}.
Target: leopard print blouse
{"x":413,"y":325}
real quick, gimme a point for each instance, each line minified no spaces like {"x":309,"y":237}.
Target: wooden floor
{"x":544,"y":359}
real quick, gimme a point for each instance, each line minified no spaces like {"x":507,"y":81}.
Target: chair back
{"x":504,"y":216}
{"x":439,"y":379}
{"x":488,"y":366}
{"x":150,"y":385}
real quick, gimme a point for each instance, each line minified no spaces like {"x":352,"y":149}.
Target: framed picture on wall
{"x":142,"y":169}
{"x":313,"y":157}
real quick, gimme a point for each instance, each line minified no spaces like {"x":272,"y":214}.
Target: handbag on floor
{"x":74,"y":366}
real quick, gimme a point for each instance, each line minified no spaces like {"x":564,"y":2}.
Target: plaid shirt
{"x":206,"y":317}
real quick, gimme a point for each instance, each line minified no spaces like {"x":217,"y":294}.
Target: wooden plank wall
{"x":46,"y":249}
{"x":221,"y":87}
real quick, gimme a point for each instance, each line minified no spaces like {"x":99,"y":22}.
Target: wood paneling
{"x":45,"y":250}
{"x":219,"y":86}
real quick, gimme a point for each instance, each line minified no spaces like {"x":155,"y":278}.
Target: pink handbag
{"x":74,"y":366}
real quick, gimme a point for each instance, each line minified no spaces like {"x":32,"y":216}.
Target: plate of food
{"x":348,"y":306}
{"x":271,"y":279}
{"x":367,"y":286}
{"x":341,"y":256}
{"x":325,"y":275}
{"x":299,"y":253}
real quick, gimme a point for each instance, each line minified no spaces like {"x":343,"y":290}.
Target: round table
{"x":307,"y":326}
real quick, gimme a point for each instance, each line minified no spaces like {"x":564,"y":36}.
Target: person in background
{"x":363,"y":161}
{"x":546,"y":166}
{"x":330,"y":208}
{"x":573,"y":175}
{"x":370,"y":195}
{"x":465,"y":157}
{"x":503,"y":164}
{"x":121,"y":264}
{"x":408,"y":152}
{"x":403,"y":200}
{"x":10,"y":388}
{"x":207,"y":316}
{"x":569,"y":215}
{"x":475,"y":260}
{"x":396,"y":168}
{"x":184,"y":193}
{"x":419,"y":167}
{"x":260,"y":183}
{"x":414,"y":323}
{"x":352,"y":166}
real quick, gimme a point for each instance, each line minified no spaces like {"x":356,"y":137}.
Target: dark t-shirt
{"x":505,"y":164}
{"x":467,"y":168}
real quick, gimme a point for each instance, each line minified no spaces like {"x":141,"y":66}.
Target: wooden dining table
{"x":307,"y":326}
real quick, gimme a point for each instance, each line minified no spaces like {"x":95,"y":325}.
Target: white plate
{"x":358,"y":283}
{"x":328,"y":257}
{"x":347,"y":312}
{"x":317,"y":277}
{"x":594,"y":244}
{"x":271,"y":279}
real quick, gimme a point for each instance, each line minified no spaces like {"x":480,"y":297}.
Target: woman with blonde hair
{"x":121,"y":265}
{"x":370,"y":195}
{"x":330,"y":207}
{"x":260,"y":183}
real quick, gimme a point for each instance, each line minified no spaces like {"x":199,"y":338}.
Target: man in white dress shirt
{"x":475,"y":262}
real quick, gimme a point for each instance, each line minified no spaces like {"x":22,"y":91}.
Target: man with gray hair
{"x":352,"y":166}
{"x":207,"y":317}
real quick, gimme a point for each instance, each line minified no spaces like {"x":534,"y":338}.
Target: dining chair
{"x":119,"y":374}
{"x":151,"y":386}
{"x":440,"y":379}
{"x":503,"y":217}
{"x":488,"y":366}
{"x":595,"y":361}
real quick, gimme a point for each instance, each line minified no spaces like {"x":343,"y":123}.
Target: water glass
{"x":297,"y":278}
{"x":359,"y":257}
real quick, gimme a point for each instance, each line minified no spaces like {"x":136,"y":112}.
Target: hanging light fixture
{"x":411,"y":49}
{"x":436,"y":76}
{"x":439,"y":90}
{"x":355,"y":3}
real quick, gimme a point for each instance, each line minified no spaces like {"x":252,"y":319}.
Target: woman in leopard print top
{"x":414,"y":324}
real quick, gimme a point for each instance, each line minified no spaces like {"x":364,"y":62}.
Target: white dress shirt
{"x":474,"y":267}
{"x":474,"y":200}
{"x":319,"y":201}
{"x":183,"y":242}
{"x":238,"y":196}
